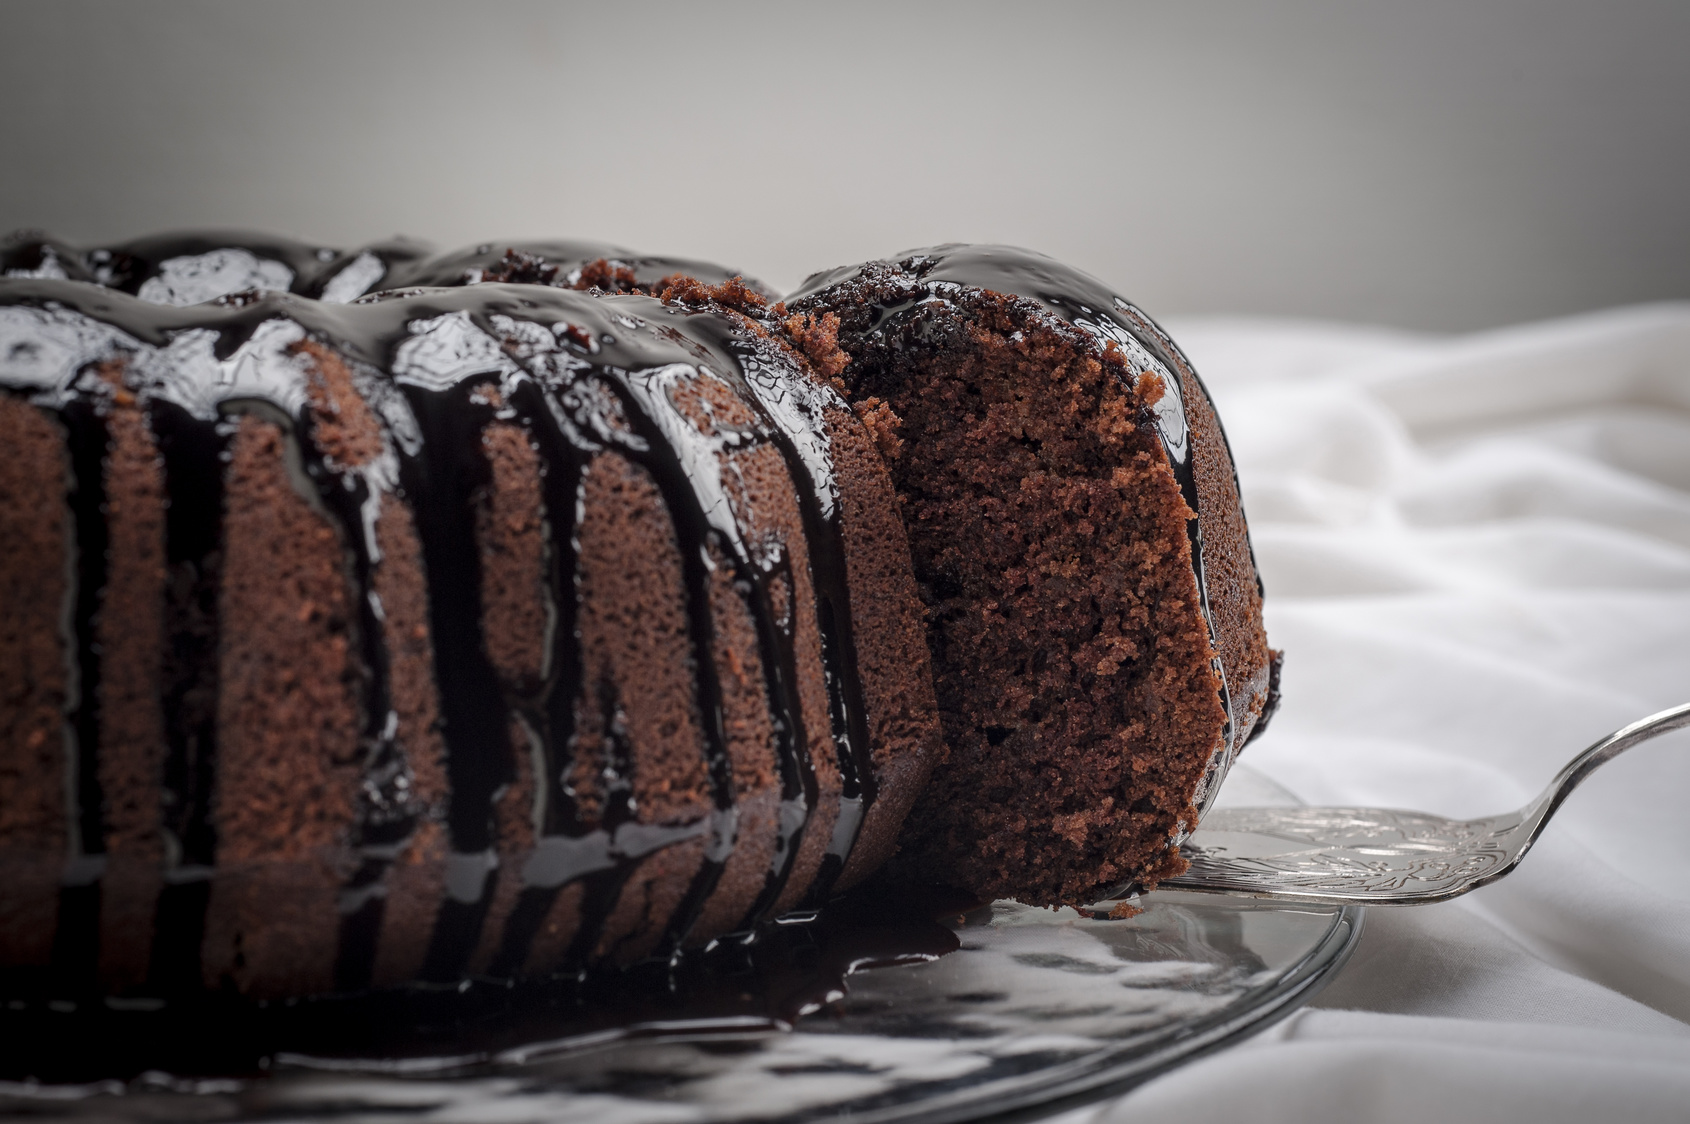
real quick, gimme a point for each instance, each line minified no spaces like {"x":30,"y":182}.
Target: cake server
{"x":1380,"y":856}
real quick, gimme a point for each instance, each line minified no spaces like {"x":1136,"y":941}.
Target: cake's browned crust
{"x":288,"y":763}
{"x":637,"y":724}
{"x":765,"y":504}
{"x":602,"y":273}
{"x":818,"y":338}
{"x":891,"y":642}
{"x":34,"y":572}
{"x":635,"y":647}
{"x":349,"y":435}
{"x":751,"y":748}
{"x":343,"y":427}
{"x":510,"y":519}
{"x":1229,"y":565}
{"x":509,"y":533}
{"x":416,"y":883}
{"x":903,"y":734}
{"x":130,"y":632}
{"x":400,"y":583}
{"x":1235,"y":596}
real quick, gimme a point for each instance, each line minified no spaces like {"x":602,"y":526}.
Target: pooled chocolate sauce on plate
{"x":762,"y":981}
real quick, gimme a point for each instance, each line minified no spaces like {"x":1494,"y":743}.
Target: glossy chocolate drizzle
{"x":581,"y":374}
{"x":192,"y":267}
{"x":192,"y":453}
{"x":76,"y":943}
{"x":1080,"y":300}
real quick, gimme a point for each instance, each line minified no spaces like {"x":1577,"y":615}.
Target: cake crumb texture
{"x":288,"y":764}
{"x":131,"y":631}
{"x":638,"y":729}
{"x":34,"y":525}
{"x":1071,"y":661}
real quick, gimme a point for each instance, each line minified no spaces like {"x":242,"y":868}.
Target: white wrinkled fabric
{"x":1477,"y":558}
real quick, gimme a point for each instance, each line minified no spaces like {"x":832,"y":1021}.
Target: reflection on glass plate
{"x":1034,"y":1007}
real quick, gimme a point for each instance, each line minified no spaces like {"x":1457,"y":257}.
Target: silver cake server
{"x":1379,"y":856}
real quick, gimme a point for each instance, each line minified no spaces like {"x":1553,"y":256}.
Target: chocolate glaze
{"x":1078,"y":299}
{"x":192,"y":455}
{"x":191,"y":267}
{"x":76,"y":944}
{"x":559,"y":263}
{"x":795,"y":411}
{"x":581,"y":374}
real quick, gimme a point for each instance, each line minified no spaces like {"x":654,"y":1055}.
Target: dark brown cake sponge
{"x":288,"y":763}
{"x":891,"y":646}
{"x":1229,"y":566}
{"x":33,"y":679}
{"x":1090,"y":692}
{"x":130,"y":629}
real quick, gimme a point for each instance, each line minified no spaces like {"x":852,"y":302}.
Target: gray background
{"x":1438,"y":164}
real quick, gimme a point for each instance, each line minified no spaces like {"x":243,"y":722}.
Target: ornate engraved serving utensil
{"x":1378,"y":856}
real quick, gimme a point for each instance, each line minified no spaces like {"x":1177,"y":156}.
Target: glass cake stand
{"x":1032,"y":1010}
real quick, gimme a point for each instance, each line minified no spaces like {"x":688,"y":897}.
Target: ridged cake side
{"x":1093,"y":612}
{"x":492,"y":630}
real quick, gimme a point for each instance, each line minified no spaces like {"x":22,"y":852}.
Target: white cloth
{"x":1477,"y":558}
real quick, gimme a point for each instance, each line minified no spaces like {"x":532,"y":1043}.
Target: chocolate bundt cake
{"x":1093,"y":609}
{"x":401,"y":617}
{"x":493,"y":629}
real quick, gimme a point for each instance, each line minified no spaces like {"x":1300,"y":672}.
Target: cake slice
{"x":1093,"y":609}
